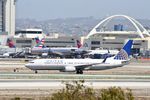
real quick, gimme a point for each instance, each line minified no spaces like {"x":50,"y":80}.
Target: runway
{"x":136,"y":74}
{"x":31,"y":88}
{"x":134,"y":68}
{"x":26,"y":83}
{"x":58,"y":84}
{"x":71,"y":76}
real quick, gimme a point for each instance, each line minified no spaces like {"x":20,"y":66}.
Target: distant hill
{"x":79,"y":26}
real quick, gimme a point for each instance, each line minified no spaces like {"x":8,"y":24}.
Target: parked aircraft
{"x":39,"y":49}
{"x":11,"y":51}
{"x":102,"y":53}
{"x":97,"y":53}
{"x":78,"y":65}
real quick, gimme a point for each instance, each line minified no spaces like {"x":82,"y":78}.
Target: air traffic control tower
{"x":7,"y":17}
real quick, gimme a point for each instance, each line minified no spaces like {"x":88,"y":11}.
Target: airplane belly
{"x":104,"y":66}
{"x":45,"y":67}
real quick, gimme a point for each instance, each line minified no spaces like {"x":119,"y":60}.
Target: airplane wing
{"x":85,"y":66}
{"x":58,"y":53}
{"x":88,"y":65}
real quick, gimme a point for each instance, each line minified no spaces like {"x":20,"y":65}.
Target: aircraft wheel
{"x":36,"y":71}
{"x":15,"y":70}
{"x":79,"y":71}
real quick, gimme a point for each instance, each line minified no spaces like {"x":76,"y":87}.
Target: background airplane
{"x":11,"y":51}
{"x":78,"y":65}
{"x":70,"y":52}
{"x":67,"y":52}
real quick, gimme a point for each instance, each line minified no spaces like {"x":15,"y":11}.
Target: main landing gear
{"x":36,"y":71}
{"x":79,"y":71}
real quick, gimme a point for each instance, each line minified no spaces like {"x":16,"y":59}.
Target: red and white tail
{"x":10,"y":43}
{"x":79,"y":45}
{"x":40,"y":43}
{"x":37,"y":40}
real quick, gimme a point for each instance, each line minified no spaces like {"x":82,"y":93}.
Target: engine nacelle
{"x":69,"y":69}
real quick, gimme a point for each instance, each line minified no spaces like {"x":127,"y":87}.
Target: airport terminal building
{"x":26,"y":38}
{"x":108,"y":34}
{"x":104,"y":35}
{"x":114,"y":36}
{"x":101,"y":36}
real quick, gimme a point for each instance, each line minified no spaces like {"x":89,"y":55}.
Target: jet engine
{"x":69,"y":69}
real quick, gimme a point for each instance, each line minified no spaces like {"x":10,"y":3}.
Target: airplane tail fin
{"x":40,"y":43}
{"x":37,"y":40}
{"x":10,"y":43}
{"x":79,"y":44}
{"x":125,"y":52}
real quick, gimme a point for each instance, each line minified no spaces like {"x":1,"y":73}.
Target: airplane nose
{"x":28,"y":65}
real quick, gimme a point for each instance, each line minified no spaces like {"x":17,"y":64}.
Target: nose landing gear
{"x":79,"y":71}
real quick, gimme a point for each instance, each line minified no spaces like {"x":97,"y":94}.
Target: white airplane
{"x":78,"y":65}
{"x":40,"y":48}
{"x":103,"y":51}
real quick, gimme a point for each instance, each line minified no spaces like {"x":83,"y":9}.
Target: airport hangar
{"x":105,"y":35}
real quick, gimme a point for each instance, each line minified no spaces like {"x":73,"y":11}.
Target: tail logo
{"x":125,"y":52}
{"x":79,"y":44}
{"x":40,"y":43}
{"x":122,"y":55}
{"x":37,"y":40}
{"x":10,"y":43}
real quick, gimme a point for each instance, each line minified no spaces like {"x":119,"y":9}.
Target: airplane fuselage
{"x":61,"y":64}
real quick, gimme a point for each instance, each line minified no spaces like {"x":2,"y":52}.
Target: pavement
{"x":58,"y":84}
{"x":24,"y":82}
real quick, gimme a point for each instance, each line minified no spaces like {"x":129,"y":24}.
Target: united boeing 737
{"x":78,"y":65}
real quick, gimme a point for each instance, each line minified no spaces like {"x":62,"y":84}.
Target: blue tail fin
{"x":125,"y":52}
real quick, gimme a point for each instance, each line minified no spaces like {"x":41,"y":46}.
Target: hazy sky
{"x":51,"y":9}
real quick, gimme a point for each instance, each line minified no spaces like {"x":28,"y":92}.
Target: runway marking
{"x":58,"y":85}
{"x":71,"y":76}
